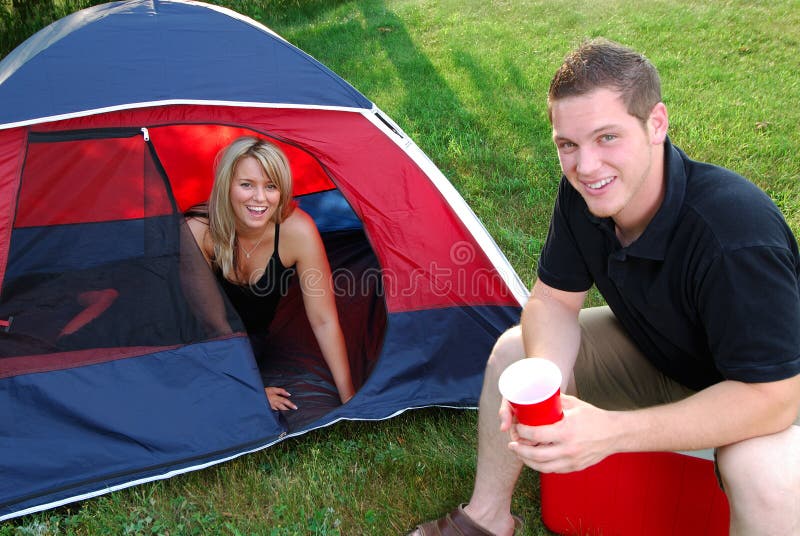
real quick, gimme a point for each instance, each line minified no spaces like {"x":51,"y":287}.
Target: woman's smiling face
{"x":254,"y":197}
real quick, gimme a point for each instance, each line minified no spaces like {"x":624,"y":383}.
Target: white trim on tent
{"x":172,"y":102}
{"x":235,"y":15}
{"x":176,"y":472}
{"x":454,"y":199}
{"x":131,"y":483}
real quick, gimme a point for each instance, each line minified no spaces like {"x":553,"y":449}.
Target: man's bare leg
{"x":497,"y":467}
{"x":761,"y":477}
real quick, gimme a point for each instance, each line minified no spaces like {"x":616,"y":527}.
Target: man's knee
{"x":507,"y":349}
{"x":763,"y":473}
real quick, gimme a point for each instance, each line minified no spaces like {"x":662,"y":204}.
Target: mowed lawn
{"x":467,"y":80}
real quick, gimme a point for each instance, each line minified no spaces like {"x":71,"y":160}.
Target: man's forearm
{"x":550,"y":326}
{"x":725,"y":413}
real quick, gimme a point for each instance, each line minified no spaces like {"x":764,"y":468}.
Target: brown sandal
{"x":458,"y":523}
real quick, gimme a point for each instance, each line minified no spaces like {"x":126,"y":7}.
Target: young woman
{"x":254,"y":238}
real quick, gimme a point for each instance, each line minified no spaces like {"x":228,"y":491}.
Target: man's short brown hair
{"x":600,"y":63}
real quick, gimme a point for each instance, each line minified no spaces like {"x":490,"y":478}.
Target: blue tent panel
{"x":62,"y":248}
{"x":432,"y":360}
{"x":191,"y":52}
{"x":76,"y":430}
{"x":330,"y":211}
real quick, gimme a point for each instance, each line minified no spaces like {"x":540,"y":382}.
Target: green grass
{"x":467,"y":80}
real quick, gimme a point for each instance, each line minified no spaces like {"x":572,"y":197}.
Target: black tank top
{"x":257,"y":302}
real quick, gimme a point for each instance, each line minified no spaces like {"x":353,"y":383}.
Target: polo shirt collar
{"x":653,"y":242}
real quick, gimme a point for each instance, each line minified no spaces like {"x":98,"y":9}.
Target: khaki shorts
{"x":611,"y":372}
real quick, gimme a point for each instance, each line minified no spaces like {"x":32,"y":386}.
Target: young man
{"x":699,"y":346}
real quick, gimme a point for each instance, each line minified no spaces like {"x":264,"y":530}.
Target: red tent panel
{"x":424,"y":266}
{"x":12,"y":155}
{"x":189,"y":152}
{"x":109,"y":187}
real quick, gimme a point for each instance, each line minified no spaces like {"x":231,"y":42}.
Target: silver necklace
{"x":248,"y":253}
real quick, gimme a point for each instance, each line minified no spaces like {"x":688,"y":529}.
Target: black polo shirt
{"x":709,"y":291}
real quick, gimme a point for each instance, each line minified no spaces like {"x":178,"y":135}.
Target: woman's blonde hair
{"x":221,"y":220}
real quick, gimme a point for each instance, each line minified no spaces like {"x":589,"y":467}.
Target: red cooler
{"x":635,"y":494}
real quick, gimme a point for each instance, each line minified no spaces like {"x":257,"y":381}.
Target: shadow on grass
{"x":493,"y":165}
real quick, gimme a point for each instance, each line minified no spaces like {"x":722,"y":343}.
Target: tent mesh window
{"x":99,"y":256}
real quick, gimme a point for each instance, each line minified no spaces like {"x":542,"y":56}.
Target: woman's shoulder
{"x":298,"y":223}
{"x":299,"y":236}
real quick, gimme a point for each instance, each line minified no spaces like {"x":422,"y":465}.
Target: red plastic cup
{"x":533,"y":388}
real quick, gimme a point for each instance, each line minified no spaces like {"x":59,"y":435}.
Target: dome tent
{"x":110,"y":122}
